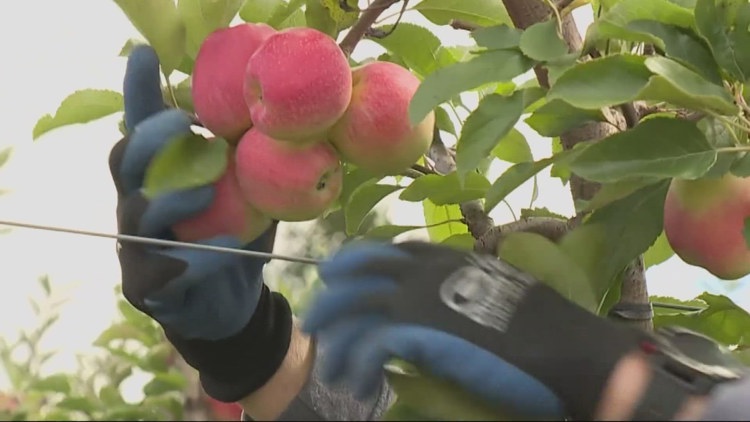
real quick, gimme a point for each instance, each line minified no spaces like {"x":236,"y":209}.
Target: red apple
{"x":297,"y":84}
{"x":375,"y":133}
{"x":288,"y":181}
{"x":228,"y":214}
{"x":218,"y":78}
{"x":704,"y":221}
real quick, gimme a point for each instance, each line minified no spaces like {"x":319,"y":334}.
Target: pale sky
{"x":53,"y":48}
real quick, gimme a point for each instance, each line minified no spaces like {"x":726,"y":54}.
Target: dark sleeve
{"x":321,"y":402}
{"x":729,"y":402}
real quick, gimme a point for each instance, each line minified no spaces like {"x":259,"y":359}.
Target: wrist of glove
{"x":231,"y":368}
{"x":470,"y":318}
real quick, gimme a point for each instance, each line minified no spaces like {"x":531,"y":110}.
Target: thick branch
{"x":551,"y":228}
{"x":358,"y":30}
{"x":525,"y":13}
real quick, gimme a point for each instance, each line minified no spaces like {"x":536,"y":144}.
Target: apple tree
{"x":650,"y":103}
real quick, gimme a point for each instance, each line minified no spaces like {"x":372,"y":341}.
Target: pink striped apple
{"x":297,"y":84}
{"x":704,"y":221}
{"x":288,"y":181}
{"x":219,"y":75}
{"x":375,"y":133}
{"x":229,"y":214}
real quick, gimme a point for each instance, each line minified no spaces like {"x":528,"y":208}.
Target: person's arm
{"x":271,"y":400}
{"x":297,"y":390}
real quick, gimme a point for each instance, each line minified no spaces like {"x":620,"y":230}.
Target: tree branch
{"x":524,"y":13}
{"x":551,"y":228}
{"x":475,"y":218}
{"x":366,"y":20}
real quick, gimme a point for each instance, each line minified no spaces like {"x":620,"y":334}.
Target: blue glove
{"x":214,"y":307}
{"x":362,"y":326}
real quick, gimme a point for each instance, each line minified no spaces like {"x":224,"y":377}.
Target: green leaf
{"x":720,"y":135}
{"x":623,"y":12}
{"x":659,"y":252}
{"x":667,"y":300}
{"x":202,"y":17}
{"x":188,"y":161}
{"x":542,"y":42}
{"x":5,"y":154}
{"x":463,"y":241}
{"x":261,"y":11}
{"x":80,"y":107}
{"x":353,"y":178}
{"x":416,"y":45}
{"x":183,"y":95}
{"x":389,"y":231}
{"x":631,"y":225}
{"x":514,"y":177}
{"x":444,"y":122}
{"x":164,"y":382}
{"x":513,"y":148}
{"x":660,"y":147}
{"x":540,"y":257}
{"x":363,"y":199}
{"x":479,"y":12}
{"x":679,"y":44}
{"x":540,"y":212}
{"x":602,"y":82}
{"x":621,"y":78}
{"x":58,"y":383}
{"x":286,"y":15}
{"x":497,"y":37}
{"x":610,"y":192}
{"x":442,"y":190}
{"x":432,"y":398}
{"x":724,"y":25}
{"x":127,"y":48}
{"x":160,"y":23}
{"x":118,"y":331}
{"x":447,"y":82}
{"x":434,"y":214}
{"x":81,"y":404}
{"x":557,"y":117}
{"x":683,"y":87}
{"x":343,"y":18}
{"x":318,"y":17}
{"x":493,"y":118}
{"x":722,"y":320}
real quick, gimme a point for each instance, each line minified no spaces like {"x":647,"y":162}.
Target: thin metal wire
{"x":162,"y":242}
{"x":257,"y":254}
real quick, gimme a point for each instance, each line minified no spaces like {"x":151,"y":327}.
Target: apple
{"x":704,"y":221}
{"x":288,"y":181}
{"x":219,"y":75}
{"x":297,"y":84}
{"x":375,"y":133}
{"x":228,"y":214}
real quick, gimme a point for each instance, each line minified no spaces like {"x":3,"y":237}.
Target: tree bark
{"x":524,"y":13}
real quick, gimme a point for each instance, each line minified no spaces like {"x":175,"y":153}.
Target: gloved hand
{"x":214,"y":307}
{"x":467,"y":318}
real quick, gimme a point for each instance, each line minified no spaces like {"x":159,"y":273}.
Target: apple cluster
{"x":293,"y":111}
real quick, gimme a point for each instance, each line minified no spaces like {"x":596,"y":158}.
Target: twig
{"x":422,"y":169}
{"x":412,"y":173}
{"x":358,"y":30}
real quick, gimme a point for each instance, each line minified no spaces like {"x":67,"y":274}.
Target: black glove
{"x":214,"y":307}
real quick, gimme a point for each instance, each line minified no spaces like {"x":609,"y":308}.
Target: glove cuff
{"x":234,"y":367}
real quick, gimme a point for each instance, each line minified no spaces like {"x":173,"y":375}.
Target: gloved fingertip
{"x":355,"y":254}
{"x":166,"y":210}
{"x":142,"y":86}
{"x":148,"y":138}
